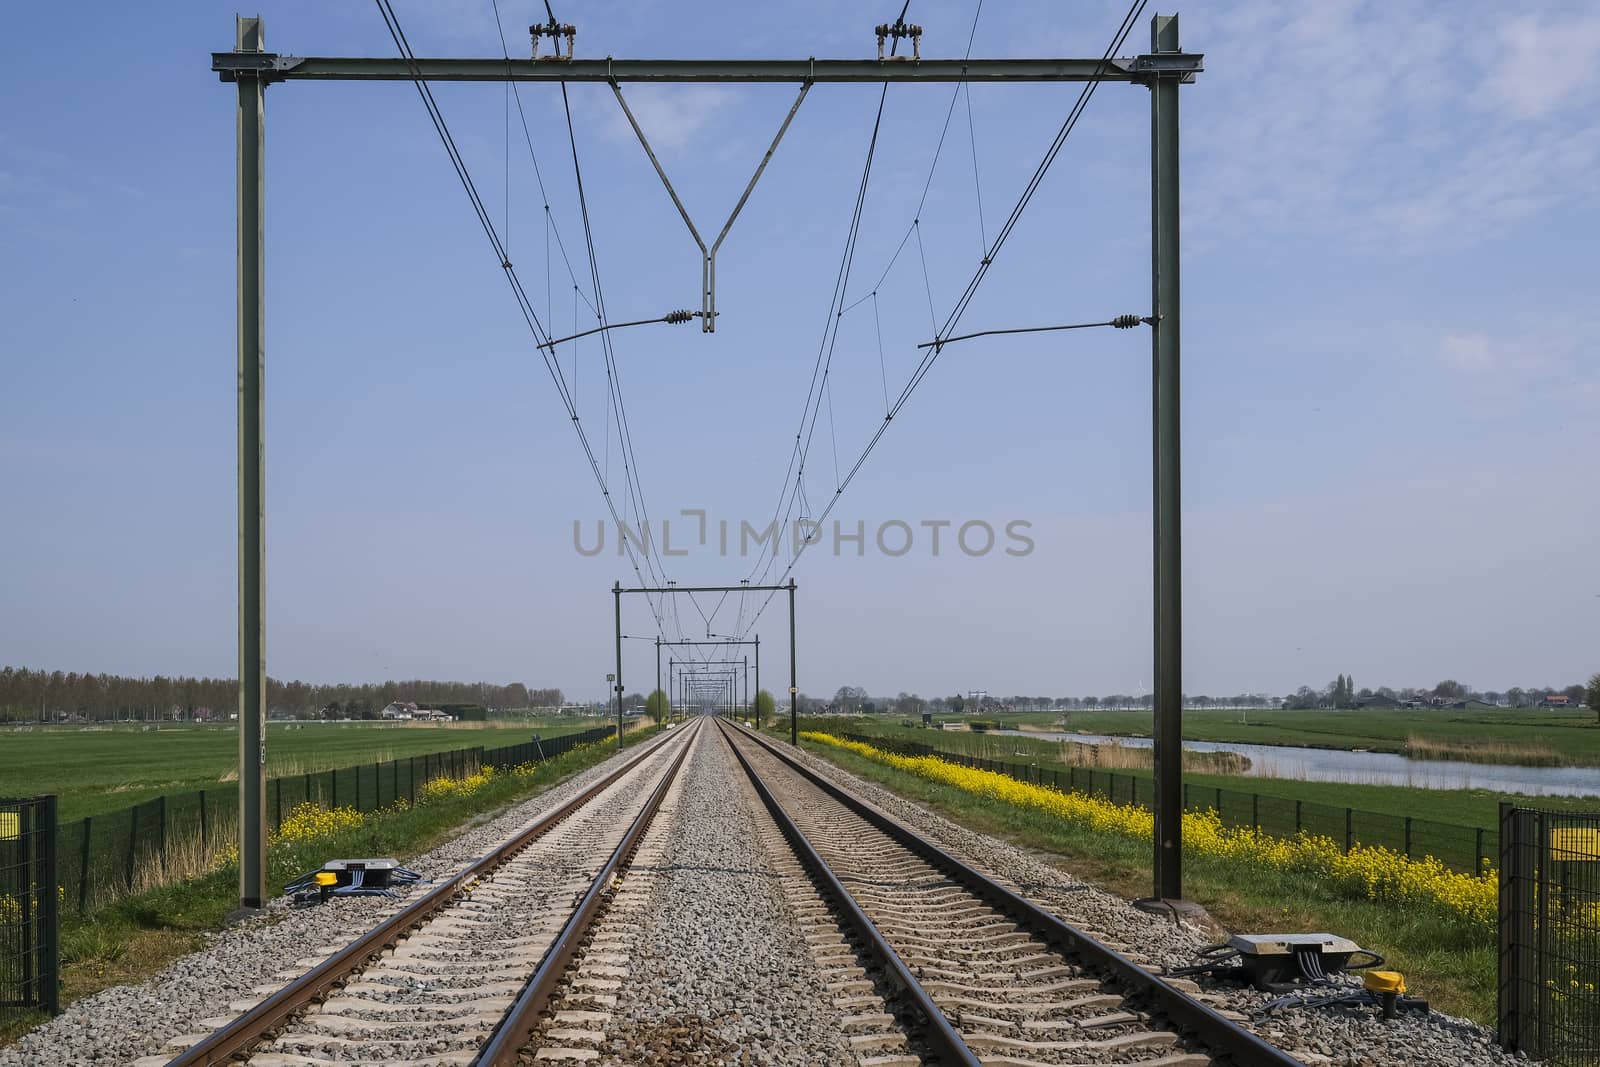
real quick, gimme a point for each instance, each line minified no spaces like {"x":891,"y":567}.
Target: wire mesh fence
{"x":1549,"y":994}
{"x":108,"y":856}
{"x":1462,"y":848}
{"x":29,"y":959}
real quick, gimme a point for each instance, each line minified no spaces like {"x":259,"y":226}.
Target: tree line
{"x":1339,"y":693}
{"x":54,"y":696}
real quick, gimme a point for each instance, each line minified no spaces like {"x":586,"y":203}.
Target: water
{"x":1372,"y":768}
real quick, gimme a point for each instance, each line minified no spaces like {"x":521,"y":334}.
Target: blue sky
{"x":1390,"y":364}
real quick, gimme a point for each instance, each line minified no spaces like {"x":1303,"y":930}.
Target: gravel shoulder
{"x":123,"y":1023}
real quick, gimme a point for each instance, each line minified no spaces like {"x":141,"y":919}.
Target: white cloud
{"x":670,"y":116}
{"x":1541,"y":63}
{"x":1380,"y":123}
{"x":1470,"y":353}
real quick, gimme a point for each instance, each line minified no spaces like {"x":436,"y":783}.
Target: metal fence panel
{"x":1549,"y":992}
{"x":111,"y":855}
{"x":29,"y":895}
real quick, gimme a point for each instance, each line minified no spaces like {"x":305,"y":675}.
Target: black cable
{"x":1067,"y":126}
{"x":524,"y":304}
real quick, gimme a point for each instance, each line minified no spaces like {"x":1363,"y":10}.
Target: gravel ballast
{"x":718,"y":955}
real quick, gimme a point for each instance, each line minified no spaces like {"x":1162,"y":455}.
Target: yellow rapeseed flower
{"x":1371,"y":872}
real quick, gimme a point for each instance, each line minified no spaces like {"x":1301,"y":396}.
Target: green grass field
{"x":1573,"y":736}
{"x":1462,"y":807}
{"x":98,"y":770}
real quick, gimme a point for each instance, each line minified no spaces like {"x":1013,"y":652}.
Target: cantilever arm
{"x":708,"y":257}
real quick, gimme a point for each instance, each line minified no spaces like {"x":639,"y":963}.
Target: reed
{"x":1487,"y":750}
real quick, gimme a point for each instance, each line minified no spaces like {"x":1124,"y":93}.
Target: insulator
{"x":678,"y":316}
{"x":1126,"y":322}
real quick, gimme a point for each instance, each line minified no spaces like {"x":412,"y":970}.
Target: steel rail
{"x":945,"y":1039}
{"x":221,"y":1046}
{"x":522,"y":1017}
{"x":1221,"y":1037}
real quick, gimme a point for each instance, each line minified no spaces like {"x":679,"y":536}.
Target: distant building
{"x":397,"y":711}
{"x":1556,"y":700}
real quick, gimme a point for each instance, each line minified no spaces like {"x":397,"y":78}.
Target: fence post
{"x":1255,"y":811}
{"x":49,"y":917}
{"x":305,"y":781}
{"x":133,"y":838}
{"x":1219,"y":802}
{"x":161,"y":832}
{"x":1542,"y":880}
{"x":1408,"y":837}
{"x":1477,"y":854}
{"x":1349,"y":828}
{"x":1297,"y":824}
{"x":83,"y":867}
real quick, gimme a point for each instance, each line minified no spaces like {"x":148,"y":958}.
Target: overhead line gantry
{"x":252,"y":68}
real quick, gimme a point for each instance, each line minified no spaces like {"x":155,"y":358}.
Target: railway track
{"x":532,"y":954}
{"x":462,"y":974}
{"x":989,"y":977}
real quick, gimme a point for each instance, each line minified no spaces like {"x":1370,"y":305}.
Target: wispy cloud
{"x":1387,"y":124}
{"x":671,"y":116}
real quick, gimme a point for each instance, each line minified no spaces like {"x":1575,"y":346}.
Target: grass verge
{"x":1450,"y":962}
{"x":138,"y":936}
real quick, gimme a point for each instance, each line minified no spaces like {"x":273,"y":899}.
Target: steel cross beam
{"x":272,"y":67}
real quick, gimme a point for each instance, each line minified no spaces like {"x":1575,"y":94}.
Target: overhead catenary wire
{"x":931,"y":355}
{"x":524,"y":304}
{"x":814,"y":390}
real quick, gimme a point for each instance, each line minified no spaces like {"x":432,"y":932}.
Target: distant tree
{"x":657,"y":706}
{"x":764,"y":705}
{"x":1450,"y":689}
{"x":1575,"y":694}
{"x":957,"y":703}
{"x":1592,"y":695}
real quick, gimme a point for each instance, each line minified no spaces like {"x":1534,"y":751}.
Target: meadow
{"x":1527,"y":736}
{"x":98,"y":769}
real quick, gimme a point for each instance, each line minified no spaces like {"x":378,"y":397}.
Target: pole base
{"x":245,"y":910}
{"x":1183,"y":912}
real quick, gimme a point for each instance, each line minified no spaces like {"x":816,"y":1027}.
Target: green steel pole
{"x":794,"y":685}
{"x":1168,"y":543}
{"x":252,"y":521}
{"x":758,"y":682}
{"x":616,"y":595}
{"x":661,"y":719}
